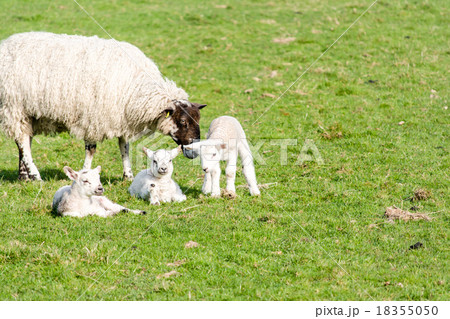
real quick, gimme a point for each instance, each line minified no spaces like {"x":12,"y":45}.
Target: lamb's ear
{"x":197,"y":105}
{"x":70,"y":173}
{"x":175,"y":152}
{"x":99,"y":169}
{"x":147,"y":152}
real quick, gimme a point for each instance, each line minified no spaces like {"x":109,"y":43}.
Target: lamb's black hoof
{"x":143,"y":212}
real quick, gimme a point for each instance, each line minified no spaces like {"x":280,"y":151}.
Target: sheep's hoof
{"x":23,"y":177}
{"x":143,"y":212}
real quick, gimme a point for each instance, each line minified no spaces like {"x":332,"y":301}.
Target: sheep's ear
{"x":167,"y":113}
{"x":197,"y":105}
{"x":147,"y":152}
{"x":70,"y":173}
{"x":99,"y":169}
{"x":175,"y":152}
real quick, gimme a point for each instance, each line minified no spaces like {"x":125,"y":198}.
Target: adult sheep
{"x":94,"y":88}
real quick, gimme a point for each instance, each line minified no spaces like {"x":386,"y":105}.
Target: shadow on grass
{"x":47,"y":174}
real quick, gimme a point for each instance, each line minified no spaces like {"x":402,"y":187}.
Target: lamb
{"x":156,"y":184}
{"x":84,"y":197}
{"x":225,"y":140}
{"x":94,"y":88}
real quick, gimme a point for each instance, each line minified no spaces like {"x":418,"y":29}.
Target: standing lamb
{"x":225,"y":140}
{"x":84,"y":198}
{"x":94,"y":88}
{"x":156,"y":184}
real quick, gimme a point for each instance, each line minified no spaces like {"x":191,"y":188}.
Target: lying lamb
{"x":84,"y":198}
{"x":225,"y":140}
{"x":156,"y":184}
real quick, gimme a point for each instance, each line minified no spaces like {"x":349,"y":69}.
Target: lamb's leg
{"x":248,"y":169}
{"x":27,"y":169}
{"x":153,"y":195}
{"x":231,"y":172}
{"x":124,"y":151}
{"x":90,"y":149}
{"x":113,"y":208}
{"x":215,"y":182}
{"x":206,"y":188}
{"x":72,"y":214}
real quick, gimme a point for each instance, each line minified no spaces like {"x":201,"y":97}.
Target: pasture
{"x":375,"y":106}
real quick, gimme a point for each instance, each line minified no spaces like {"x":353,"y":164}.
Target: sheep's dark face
{"x":186,"y":118}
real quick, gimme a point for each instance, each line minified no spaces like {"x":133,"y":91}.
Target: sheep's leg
{"x":27,"y":169}
{"x":215,"y":182}
{"x":231,"y":172}
{"x":124,"y":151}
{"x":248,"y":169}
{"x":206,"y":188}
{"x":89,"y":154}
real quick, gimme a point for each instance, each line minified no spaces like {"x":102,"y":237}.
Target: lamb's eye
{"x":214,"y":154}
{"x":183,"y":122}
{"x":154,"y":162}
{"x":86,"y":182}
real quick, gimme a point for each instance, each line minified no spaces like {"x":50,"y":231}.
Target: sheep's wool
{"x":93,"y":88}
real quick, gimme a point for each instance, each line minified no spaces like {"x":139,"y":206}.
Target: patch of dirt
{"x":228,"y":194}
{"x":268,"y":95}
{"x":393,"y":213}
{"x":283,"y":40}
{"x":176,"y":263}
{"x":168,"y":274}
{"x":191,"y":244}
{"x":421,"y":194}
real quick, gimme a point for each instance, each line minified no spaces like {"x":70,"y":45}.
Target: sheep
{"x":225,"y":140}
{"x":94,"y":88}
{"x":156,"y":184}
{"x":84,"y":196}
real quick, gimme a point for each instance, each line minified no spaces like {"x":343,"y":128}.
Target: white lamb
{"x":94,"y":88}
{"x":225,"y":140}
{"x":156,"y":184}
{"x":84,"y":198}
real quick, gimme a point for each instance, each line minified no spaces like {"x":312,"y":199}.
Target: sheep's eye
{"x":154,"y":162}
{"x":170,"y":161}
{"x":86,"y":182}
{"x":214,"y":154}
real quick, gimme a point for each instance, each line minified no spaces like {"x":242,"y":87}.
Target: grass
{"x":308,"y":237}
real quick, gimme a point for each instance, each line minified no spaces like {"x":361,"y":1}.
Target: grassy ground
{"x":311,"y":236}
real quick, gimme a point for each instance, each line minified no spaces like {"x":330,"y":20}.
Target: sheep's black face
{"x":186,"y":118}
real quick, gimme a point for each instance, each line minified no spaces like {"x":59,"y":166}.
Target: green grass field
{"x":318,"y":233}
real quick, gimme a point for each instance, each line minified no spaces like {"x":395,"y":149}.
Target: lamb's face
{"x":87,"y":181}
{"x":161,"y":161}
{"x":210,"y":156}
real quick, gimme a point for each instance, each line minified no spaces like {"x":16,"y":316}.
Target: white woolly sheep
{"x":225,"y":140}
{"x":84,"y":197}
{"x":156,"y":184}
{"x":94,"y":88}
